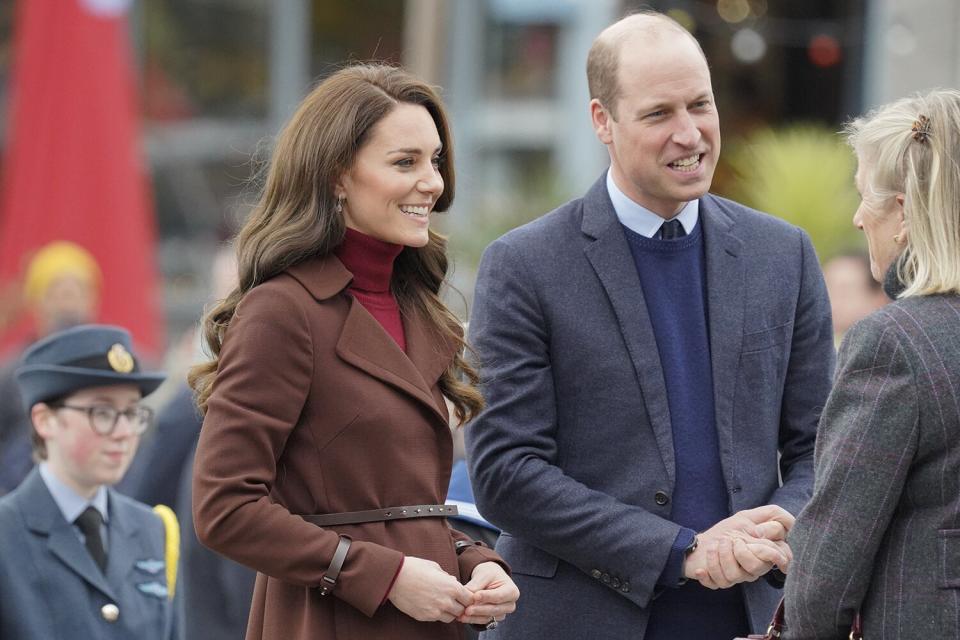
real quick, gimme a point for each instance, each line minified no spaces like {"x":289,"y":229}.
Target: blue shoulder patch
{"x":156,"y":589}
{"x":151,"y":566}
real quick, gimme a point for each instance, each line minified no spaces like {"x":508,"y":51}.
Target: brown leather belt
{"x":384,"y":514}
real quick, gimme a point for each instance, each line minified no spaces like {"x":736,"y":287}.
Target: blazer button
{"x":661,"y":498}
{"x":625,"y":587}
{"x":615,"y":583}
{"x":605,"y":578}
{"x":595,"y":574}
{"x":110,"y":612}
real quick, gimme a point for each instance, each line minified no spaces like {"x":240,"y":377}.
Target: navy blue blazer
{"x":50,"y":587}
{"x":573,"y":457}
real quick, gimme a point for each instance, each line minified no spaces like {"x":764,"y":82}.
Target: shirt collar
{"x":641,"y":220}
{"x":70,"y":503}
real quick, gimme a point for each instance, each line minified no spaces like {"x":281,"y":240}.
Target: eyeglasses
{"x":104,"y":418}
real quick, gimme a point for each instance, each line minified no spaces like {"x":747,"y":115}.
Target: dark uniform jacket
{"x":50,"y":586}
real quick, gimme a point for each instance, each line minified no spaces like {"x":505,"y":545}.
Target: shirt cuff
{"x":672,"y":575}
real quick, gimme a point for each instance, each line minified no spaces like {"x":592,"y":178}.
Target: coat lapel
{"x":725,"y":304}
{"x":367,"y":346}
{"x":43,"y":517}
{"x":611,"y":259}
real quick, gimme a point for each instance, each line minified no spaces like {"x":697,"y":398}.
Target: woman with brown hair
{"x":325,"y":453}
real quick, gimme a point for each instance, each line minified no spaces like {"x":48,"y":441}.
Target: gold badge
{"x":120,"y":359}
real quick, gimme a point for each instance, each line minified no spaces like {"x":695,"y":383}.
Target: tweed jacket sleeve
{"x":866,"y":442}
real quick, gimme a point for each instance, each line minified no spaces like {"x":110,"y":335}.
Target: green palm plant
{"x":803,"y":174}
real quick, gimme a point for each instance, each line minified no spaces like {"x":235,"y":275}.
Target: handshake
{"x":741,"y":548}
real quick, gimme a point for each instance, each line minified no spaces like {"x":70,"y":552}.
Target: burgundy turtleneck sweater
{"x":371,"y":262}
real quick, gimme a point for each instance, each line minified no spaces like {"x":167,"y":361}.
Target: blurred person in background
{"x":854,"y":293}
{"x":216,"y":591}
{"x":61,"y":289}
{"x":80,"y":560}
{"x":654,"y":361}
{"x":325,"y":452}
{"x":881,"y":534}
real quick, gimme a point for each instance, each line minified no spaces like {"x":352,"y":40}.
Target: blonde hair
{"x":921,"y":161}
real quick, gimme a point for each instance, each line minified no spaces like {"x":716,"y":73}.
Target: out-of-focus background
{"x":215,"y":79}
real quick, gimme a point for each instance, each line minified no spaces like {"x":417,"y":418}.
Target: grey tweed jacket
{"x":882,"y":532}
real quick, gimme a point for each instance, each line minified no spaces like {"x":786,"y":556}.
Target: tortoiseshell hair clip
{"x":921,"y":129}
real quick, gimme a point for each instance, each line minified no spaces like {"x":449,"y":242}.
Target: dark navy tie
{"x":671,"y":230}
{"x":89,"y":523}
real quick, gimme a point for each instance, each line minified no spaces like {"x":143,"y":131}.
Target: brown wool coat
{"x":317,"y":410}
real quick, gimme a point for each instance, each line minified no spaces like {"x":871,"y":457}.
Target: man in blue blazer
{"x":80,"y":560}
{"x":654,"y":360}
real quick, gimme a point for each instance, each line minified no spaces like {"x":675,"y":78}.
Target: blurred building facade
{"x":218,"y":78}
{"x":911,"y":46}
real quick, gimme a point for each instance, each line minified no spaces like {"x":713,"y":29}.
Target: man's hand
{"x":494,"y":594}
{"x":427,"y":593}
{"x":741,"y":548}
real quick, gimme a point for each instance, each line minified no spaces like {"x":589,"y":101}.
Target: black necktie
{"x":90,"y":522}
{"x":671,"y":230}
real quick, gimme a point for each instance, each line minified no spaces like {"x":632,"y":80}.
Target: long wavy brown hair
{"x":296,"y":218}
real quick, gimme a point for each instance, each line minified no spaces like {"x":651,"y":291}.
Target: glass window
{"x":520,"y":60}
{"x":204,"y":59}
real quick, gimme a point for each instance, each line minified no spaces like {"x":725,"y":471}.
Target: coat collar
{"x":322,"y":276}
{"x":43,"y":517}
{"x":610,"y":256}
{"x":365,"y":344}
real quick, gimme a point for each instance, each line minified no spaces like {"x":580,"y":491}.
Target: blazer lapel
{"x":43,"y":517}
{"x":611,"y":259}
{"x":725,"y":301}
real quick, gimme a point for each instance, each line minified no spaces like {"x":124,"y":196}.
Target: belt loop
{"x":329,"y":580}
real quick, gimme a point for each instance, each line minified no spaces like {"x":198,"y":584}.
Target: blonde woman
{"x":882,"y":533}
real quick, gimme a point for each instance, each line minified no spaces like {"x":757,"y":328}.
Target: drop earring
{"x":339,"y":206}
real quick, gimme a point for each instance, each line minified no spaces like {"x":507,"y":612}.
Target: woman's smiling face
{"x":395,"y":181}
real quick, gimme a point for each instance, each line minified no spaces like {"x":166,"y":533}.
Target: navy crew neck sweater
{"x":673,"y":280}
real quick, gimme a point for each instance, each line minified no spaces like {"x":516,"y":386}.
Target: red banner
{"x":73,"y":168}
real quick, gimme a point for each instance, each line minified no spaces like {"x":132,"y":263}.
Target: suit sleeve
{"x":518,"y":480}
{"x":807,"y":383}
{"x":868,"y":437}
{"x":265,"y":374}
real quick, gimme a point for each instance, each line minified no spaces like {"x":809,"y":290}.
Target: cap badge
{"x":120,"y":359}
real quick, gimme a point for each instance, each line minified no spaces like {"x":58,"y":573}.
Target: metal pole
{"x":289,"y":57}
